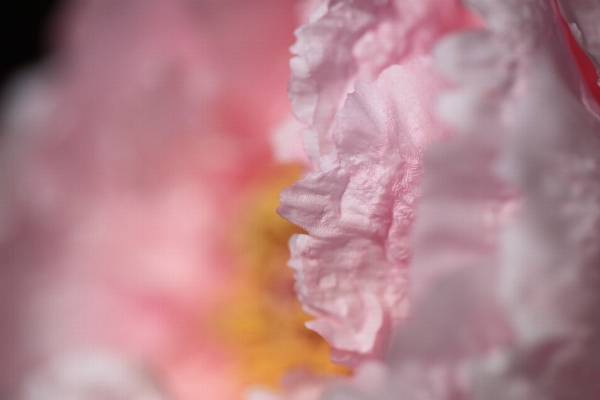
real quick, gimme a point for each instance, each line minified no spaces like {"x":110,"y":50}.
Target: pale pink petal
{"x":505,"y":248}
{"x":348,"y":40}
{"x":351,"y":271}
{"x":92,"y":376}
{"x":504,"y":277}
{"x":359,"y":207}
{"x":493,"y":197}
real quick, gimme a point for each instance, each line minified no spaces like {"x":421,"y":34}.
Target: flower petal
{"x":346,"y":40}
{"x":359,"y":208}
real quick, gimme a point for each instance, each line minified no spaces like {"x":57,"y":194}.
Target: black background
{"x":23,"y":26}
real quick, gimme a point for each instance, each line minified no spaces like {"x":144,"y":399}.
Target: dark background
{"x":23,"y":24}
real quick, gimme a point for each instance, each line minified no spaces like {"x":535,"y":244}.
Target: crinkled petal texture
{"x":358,"y":207}
{"x":351,"y":270}
{"x":346,"y":40}
{"x":506,"y":241}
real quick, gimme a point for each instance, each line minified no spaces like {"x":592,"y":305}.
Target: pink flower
{"x":456,"y":201}
{"x":129,"y":160}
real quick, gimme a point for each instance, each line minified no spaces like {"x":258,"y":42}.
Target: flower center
{"x":262,"y":321}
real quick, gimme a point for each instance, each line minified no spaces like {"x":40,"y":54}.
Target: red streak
{"x":584,"y":64}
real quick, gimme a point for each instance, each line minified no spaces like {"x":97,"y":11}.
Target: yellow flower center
{"x":263,"y":322}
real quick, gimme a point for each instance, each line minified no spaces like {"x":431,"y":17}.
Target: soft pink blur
{"x":123,"y":157}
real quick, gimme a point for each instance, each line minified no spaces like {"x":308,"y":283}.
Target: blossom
{"x":136,"y":161}
{"x":453,"y":217}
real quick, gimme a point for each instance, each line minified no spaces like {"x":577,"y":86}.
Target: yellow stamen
{"x":263,"y":322}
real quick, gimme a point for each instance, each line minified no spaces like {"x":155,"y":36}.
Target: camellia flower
{"x":453,"y":215}
{"x":141,"y":254}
